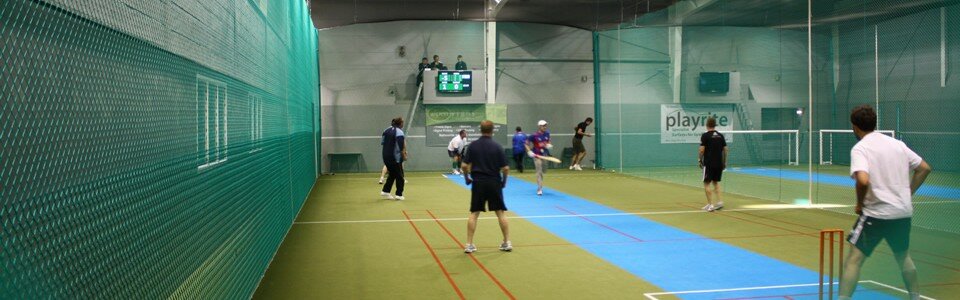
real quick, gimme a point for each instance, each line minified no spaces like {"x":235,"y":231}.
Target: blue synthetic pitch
{"x":670,"y":258}
{"x":925,"y":190}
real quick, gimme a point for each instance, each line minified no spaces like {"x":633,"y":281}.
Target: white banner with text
{"x":685,"y":123}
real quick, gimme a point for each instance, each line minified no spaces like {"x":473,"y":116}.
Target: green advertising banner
{"x":445,"y":120}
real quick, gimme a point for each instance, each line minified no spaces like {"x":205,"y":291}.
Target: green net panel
{"x":151,"y":149}
{"x":903,"y":62}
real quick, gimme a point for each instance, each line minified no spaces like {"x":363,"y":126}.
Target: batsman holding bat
{"x":538,"y":148}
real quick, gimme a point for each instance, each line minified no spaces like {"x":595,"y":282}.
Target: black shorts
{"x":867,"y":233}
{"x":453,"y":153}
{"x":578,"y":146}
{"x":712,"y":173}
{"x":487,"y":192}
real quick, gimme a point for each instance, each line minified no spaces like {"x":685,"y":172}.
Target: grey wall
{"x":359,"y":66}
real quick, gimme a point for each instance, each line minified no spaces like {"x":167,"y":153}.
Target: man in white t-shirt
{"x":881,"y":166}
{"x":455,"y":150}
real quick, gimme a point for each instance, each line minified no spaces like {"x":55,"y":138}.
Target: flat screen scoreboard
{"x":455,"y":82}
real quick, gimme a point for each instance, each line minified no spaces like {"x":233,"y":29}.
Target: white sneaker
{"x":456,"y":172}
{"x":572,"y":167}
{"x":381,"y":180}
{"x":506,"y":246}
{"x":539,"y":193}
{"x":708,"y":207}
{"x":718,"y":206}
{"x":470,"y":249}
{"x":386,"y":195}
{"x":577,"y":167}
{"x":398,"y":198}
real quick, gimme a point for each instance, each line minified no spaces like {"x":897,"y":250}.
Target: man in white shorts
{"x":455,"y":150}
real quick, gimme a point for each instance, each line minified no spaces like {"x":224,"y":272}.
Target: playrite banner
{"x":446,"y":120}
{"x":685,"y":123}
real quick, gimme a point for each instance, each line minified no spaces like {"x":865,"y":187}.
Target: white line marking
{"x":652,"y":296}
{"x":552,"y":216}
{"x":894,"y":288}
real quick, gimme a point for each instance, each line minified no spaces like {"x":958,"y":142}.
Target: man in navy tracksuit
{"x":394,"y":153}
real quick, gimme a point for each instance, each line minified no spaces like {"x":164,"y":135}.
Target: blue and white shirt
{"x":392,"y":141}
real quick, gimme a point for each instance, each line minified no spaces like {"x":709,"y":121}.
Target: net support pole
{"x":810,"y":105}
{"x":597,"y":104}
{"x":490,"y":48}
{"x":943,"y":47}
{"x":876,"y":71}
{"x":413,"y":108}
{"x":620,"y":93}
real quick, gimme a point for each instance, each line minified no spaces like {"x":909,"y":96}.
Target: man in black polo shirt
{"x":422,"y":66}
{"x":579,"y":152}
{"x":713,"y":159}
{"x":483,"y":163}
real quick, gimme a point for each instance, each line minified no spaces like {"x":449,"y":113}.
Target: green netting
{"x":151,"y":148}
{"x":901,"y":61}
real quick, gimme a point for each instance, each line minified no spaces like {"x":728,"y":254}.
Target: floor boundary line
{"x":652,"y":296}
{"x":895,"y":288}
{"x":474,"y":258}
{"x":435,"y":258}
{"x":693,"y":211}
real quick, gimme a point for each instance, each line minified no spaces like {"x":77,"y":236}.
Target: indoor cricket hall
{"x":333,"y":149}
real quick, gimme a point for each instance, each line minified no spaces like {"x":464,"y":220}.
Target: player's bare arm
{"x":919,"y":175}
{"x":863,"y":185}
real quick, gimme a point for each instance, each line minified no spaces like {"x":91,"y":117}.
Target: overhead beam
{"x":494,"y":7}
{"x":683,"y":9}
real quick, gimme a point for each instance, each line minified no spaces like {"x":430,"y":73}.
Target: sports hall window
{"x":212,"y":105}
{"x":256,"y":121}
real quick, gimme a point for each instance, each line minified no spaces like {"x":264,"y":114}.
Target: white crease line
{"x":551,"y":216}
{"x":895,"y":288}
{"x":652,"y":296}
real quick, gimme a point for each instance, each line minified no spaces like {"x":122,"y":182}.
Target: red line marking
{"x":435,"y":258}
{"x":598,"y":224}
{"x":474,"y":258}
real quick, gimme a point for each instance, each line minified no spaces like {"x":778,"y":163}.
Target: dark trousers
{"x":518,"y":158}
{"x":394,"y":173}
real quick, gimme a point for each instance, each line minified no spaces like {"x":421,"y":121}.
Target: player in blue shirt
{"x":519,"y":146}
{"x":538,"y":144}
